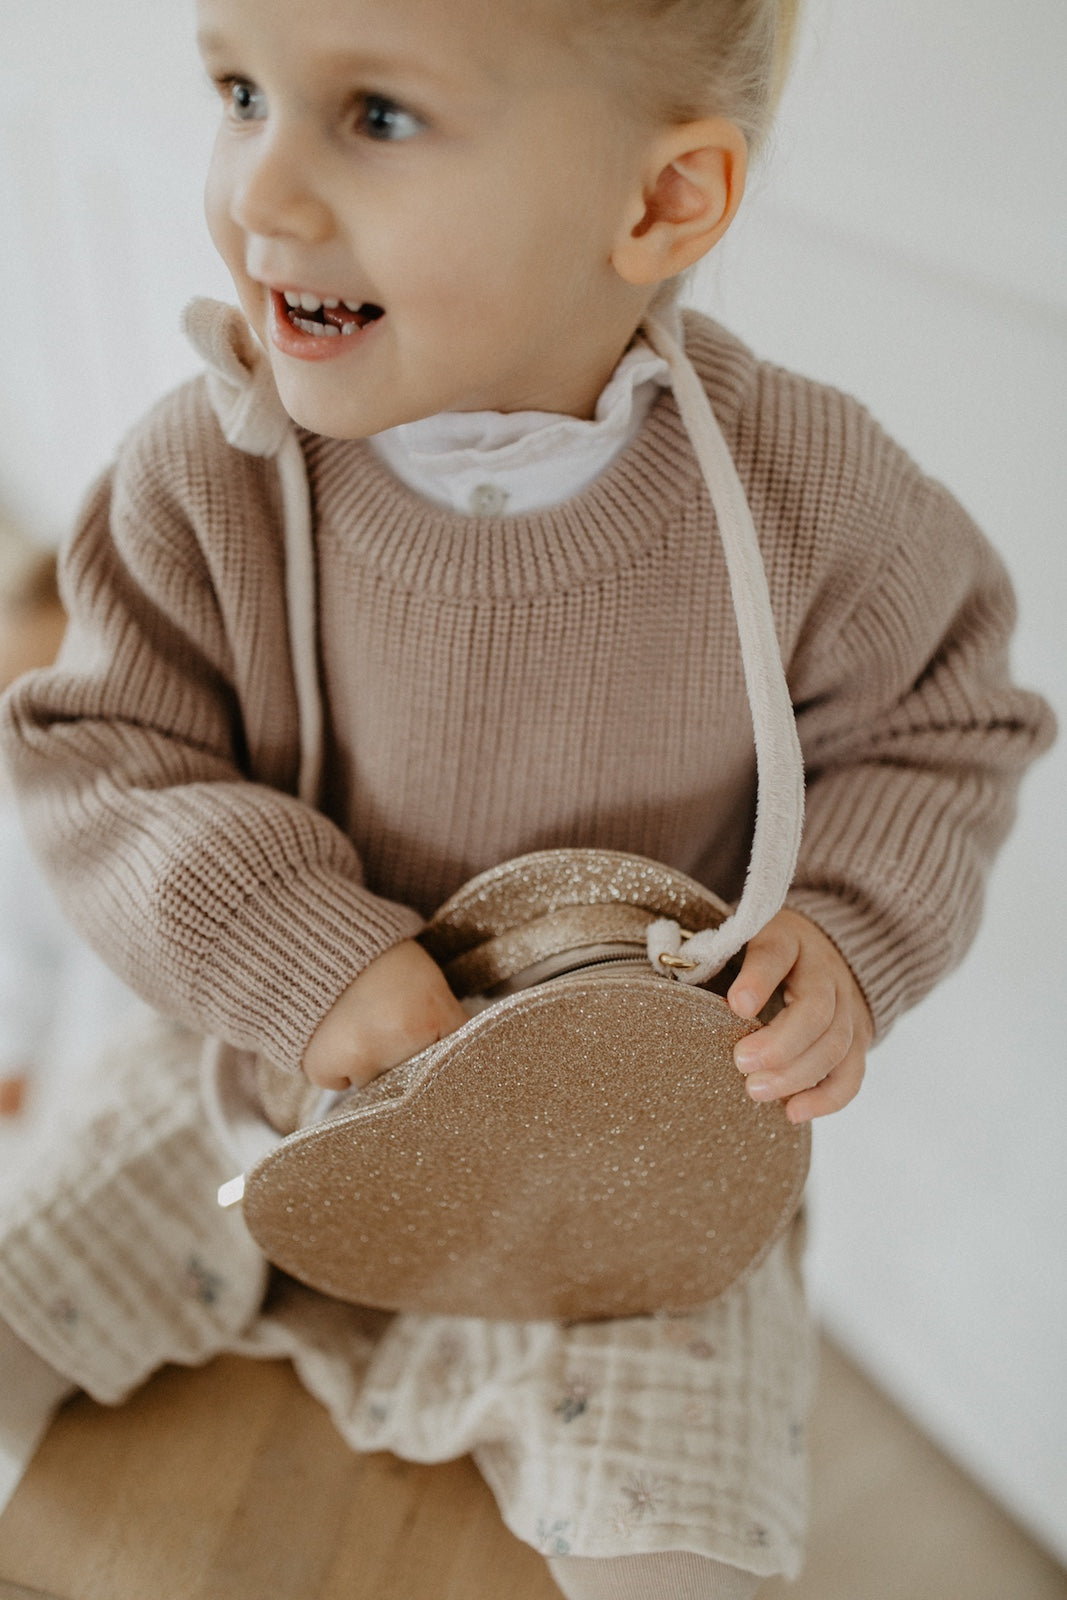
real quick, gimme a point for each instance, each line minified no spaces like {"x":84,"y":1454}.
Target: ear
{"x":692,"y":183}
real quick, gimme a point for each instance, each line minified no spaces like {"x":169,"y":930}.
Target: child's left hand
{"x":813,"y":1054}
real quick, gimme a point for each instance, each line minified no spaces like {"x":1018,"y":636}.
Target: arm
{"x":153,"y":761}
{"x":915,"y":741}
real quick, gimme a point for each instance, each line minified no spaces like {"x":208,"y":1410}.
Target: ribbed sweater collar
{"x":607,"y":526}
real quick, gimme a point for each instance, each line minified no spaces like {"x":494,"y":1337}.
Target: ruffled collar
{"x":513,"y":462}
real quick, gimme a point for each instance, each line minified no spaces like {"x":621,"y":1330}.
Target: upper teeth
{"x":300,"y":301}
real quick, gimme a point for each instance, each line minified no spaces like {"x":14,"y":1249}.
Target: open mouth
{"x":328,"y":319}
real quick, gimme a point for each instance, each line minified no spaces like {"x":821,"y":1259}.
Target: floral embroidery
{"x":643,"y":1494}
{"x":575,"y":1401}
{"x":550,"y":1537}
{"x":201,"y":1283}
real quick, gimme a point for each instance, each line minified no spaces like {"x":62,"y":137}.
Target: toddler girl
{"x":446,"y":430}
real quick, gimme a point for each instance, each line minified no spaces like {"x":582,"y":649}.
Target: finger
{"x":835,"y":1091}
{"x":353,"y":1068}
{"x":801,"y":1026}
{"x":326,"y":1080}
{"x":769,"y":958}
{"x":808,"y":1069}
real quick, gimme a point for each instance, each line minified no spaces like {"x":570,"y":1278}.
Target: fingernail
{"x":746,"y":1060}
{"x":745,"y":1003}
{"x":760,"y":1088}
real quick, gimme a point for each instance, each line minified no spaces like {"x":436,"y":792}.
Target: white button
{"x":488,"y":500}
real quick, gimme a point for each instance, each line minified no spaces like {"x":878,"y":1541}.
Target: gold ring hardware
{"x":677,"y":963}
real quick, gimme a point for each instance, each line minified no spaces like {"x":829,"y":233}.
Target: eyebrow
{"x":369,"y":63}
{"x":209,"y":42}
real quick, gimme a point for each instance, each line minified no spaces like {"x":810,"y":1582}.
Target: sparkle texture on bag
{"x":582,"y":1148}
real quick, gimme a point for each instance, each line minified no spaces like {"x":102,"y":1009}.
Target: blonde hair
{"x":684,"y":59}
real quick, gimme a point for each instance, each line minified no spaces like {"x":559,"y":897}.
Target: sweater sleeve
{"x":914,"y":739}
{"x":157,"y":806}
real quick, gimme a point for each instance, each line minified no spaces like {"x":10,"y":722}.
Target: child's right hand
{"x":399,"y":1004}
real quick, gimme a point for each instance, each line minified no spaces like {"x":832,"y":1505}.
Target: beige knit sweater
{"x":497,"y":685}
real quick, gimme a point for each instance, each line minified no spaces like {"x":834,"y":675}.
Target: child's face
{"x":449,"y":168}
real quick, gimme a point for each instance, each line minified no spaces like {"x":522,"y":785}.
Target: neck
{"x":572,"y":385}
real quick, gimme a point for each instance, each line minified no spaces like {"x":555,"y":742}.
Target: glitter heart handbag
{"x":584,"y":1145}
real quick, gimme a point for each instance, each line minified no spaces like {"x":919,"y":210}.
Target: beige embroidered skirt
{"x":597,"y":1439}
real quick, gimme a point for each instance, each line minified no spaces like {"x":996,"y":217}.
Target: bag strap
{"x":779,"y":762}
{"x":252,"y":418}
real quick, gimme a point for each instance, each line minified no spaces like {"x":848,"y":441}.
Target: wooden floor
{"x":231,"y":1484}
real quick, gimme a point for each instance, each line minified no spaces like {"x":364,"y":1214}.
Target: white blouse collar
{"x":502,"y":463}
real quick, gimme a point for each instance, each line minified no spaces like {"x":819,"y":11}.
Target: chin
{"x":336,"y":421}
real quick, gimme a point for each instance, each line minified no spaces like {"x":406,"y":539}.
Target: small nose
{"x":273,"y":194}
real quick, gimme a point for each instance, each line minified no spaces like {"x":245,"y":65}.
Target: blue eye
{"x":382,"y":119}
{"x":244,"y":101}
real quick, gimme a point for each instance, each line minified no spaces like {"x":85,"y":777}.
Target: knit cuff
{"x":288,"y":953}
{"x":892,"y":971}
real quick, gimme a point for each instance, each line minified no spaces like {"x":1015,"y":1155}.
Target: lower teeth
{"x":330,"y":330}
{"x":322,"y":330}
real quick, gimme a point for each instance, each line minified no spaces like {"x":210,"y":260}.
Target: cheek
{"x":225,"y":234}
{"x":478,"y":256}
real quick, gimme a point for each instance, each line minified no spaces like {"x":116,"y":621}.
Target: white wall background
{"x":906,"y":241}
